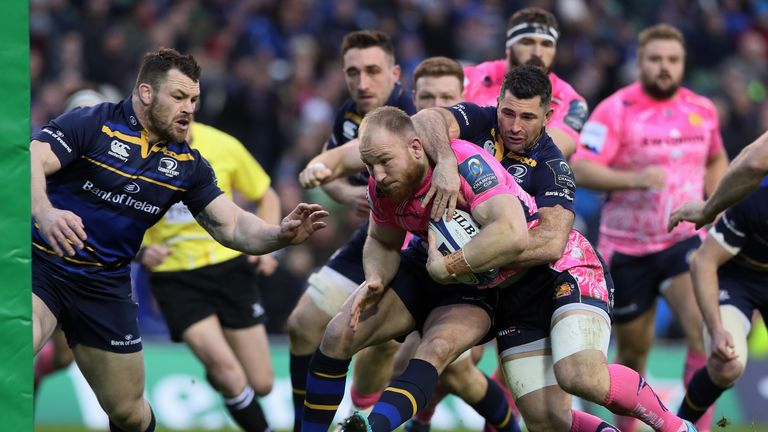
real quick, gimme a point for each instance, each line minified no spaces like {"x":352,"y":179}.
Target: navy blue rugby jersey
{"x":348,"y":122}
{"x":743,"y":231}
{"x":116,"y":182}
{"x":542,"y":171}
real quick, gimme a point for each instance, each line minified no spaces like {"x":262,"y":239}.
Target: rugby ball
{"x":452,"y":235}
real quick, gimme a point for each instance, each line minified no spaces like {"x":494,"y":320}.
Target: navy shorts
{"x":745,"y":289}
{"x":94,"y":309}
{"x":421,"y":295}
{"x":348,"y":259}
{"x":525,"y":309}
{"x":639,"y":278}
{"x":227,"y":290}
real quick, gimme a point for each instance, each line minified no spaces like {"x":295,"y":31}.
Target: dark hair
{"x":527,"y":82}
{"x":659,"y":31}
{"x":533,"y":15}
{"x":437,"y":67}
{"x":156,"y":64}
{"x":367,"y":39}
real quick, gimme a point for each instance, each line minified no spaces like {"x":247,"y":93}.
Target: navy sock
{"x":246,"y":411}
{"x":699,"y":396}
{"x":495,"y":409}
{"x":299,"y":366}
{"x":325,"y":390}
{"x":405,"y":396}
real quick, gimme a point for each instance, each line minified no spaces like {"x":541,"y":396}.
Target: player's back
{"x":632,"y":131}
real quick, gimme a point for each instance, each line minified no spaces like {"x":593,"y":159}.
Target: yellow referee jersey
{"x":191,"y":246}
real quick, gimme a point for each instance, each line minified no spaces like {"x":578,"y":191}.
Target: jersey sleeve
{"x":70,"y":133}
{"x":482,"y":177}
{"x":553,"y":182}
{"x":716,"y":141}
{"x":572,"y":117}
{"x":474,"y":121}
{"x":204,"y":188}
{"x":730,"y":230}
{"x":248,"y":177}
{"x":599,"y":139}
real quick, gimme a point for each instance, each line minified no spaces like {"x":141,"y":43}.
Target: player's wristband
{"x":456,"y":263}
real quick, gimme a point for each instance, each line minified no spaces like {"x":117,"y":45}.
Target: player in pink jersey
{"x":653,"y":145}
{"x":532,"y":35}
{"x":452,"y":318}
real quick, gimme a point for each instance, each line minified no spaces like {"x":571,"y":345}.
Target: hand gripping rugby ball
{"x":452,"y":235}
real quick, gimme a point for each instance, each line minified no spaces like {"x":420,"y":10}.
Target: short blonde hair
{"x":391,"y":119}
{"x":659,"y":31}
{"x":437,"y":67}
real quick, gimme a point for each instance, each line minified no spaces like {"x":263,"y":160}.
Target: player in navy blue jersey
{"x":730,"y":279}
{"x":100,"y":177}
{"x":372,"y":81}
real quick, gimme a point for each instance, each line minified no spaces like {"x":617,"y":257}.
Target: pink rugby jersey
{"x":482,"y":84}
{"x":631,"y":131}
{"x":482,"y":177}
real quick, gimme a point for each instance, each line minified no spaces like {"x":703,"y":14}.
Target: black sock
{"x":495,"y":409}
{"x":299,"y":366}
{"x":404,"y":397}
{"x":326,"y":380}
{"x":699,"y":396}
{"x":246,"y":411}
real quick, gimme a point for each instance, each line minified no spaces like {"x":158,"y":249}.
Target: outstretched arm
{"x":240,"y":230}
{"x":598,"y":177}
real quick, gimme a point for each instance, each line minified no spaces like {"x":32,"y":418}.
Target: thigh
{"x":43,"y":323}
{"x":636,"y":286}
{"x":116,"y":379}
{"x":251,"y":346}
{"x":451,"y":330}
{"x":207,"y":341}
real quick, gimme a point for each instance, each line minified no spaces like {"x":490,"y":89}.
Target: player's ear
{"x":416,"y":148}
{"x":396,"y":71}
{"x":145,"y":92}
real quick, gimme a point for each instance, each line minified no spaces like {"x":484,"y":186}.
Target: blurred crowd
{"x":272,"y":73}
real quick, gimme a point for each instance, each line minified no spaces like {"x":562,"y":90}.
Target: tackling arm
{"x":240,"y":230}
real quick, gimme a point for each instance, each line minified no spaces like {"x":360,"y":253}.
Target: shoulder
{"x":481,"y":70}
{"x":691,"y":98}
{"x":562,"y":89}
{"x":402,"y":99}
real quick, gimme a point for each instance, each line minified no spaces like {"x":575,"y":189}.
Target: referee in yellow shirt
{"x":208,"y":293}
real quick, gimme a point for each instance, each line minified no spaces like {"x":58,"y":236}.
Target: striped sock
{"x":699,"y":396}
{"x":299,"y":365}
{"x":493,"y":407}
{"x":325,"y":390}
{"x":405,"y":396}
{"x":246,"y":411}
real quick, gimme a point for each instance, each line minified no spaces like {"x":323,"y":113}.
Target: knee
{"x":263,"y":386}
{"x":438,"y":350}
{"x":128,"y":414}
{"x":574,"y":382}
{"x":725,"y":374}
{"x":338,"y":340}
{"x":227,"y":377}
{"x":298,"y":330}
{"x":460,"y":379}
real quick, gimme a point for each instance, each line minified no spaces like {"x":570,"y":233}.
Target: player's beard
{"x":654,"y":90}
{"x":163,"y":129}
{"x":533,"y":61}
{"x":406,"y":186}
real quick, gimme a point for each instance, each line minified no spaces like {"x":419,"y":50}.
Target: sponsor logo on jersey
{"x":518,"y":172}
{"x":478,"y":174}
{"x":168,"y":166}
{"x":593,"y":136}
{"x":119,"y":150}
{"x":121,"y":199}
{"x":132,"y":187}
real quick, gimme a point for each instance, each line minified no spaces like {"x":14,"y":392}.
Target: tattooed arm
{"x":238,"y":229}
